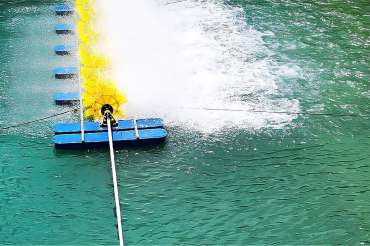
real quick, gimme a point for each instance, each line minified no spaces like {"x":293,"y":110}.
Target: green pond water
{"x":306,"y":183}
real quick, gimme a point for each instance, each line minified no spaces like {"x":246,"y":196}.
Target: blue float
{"x":68,"y":98}
{"x":63,"y":9}
{"x":63,"y":28}
{"x":145,"y":131}
{"x":100,"y":139}
{"x":91,"y":126}
{"x":62,"y":49}
{"x":65,"y":72}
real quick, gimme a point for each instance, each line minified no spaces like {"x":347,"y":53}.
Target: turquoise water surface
{"x":305,"y":183}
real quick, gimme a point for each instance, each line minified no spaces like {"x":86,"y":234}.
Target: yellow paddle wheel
{"x":99,"y":88}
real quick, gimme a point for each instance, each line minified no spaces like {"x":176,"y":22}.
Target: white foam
{"x":172,"y":60}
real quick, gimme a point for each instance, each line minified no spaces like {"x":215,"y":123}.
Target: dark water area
{"x":305,"y":183}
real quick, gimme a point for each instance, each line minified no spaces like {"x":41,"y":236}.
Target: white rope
{"x":115,"y":185}
{"x":136,"y":130}
{"x":81,"y":112}
{"x":81,"y":102}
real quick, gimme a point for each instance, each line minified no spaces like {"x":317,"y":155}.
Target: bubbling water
{"x":174,"y":60}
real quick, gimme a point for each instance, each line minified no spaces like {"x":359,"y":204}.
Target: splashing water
{"x":175,"y":59}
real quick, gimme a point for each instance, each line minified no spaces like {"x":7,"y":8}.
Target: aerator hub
{"x":107,"y":112}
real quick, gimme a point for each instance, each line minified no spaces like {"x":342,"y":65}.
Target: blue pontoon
{"x":68,"y":98}
{"x":65,"y":72}
{"x":62,"y":49}
{"x":127,"y":132}
{"x":63,"y":9}
{"x":63,"y":29}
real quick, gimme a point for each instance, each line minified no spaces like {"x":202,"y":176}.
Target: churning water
{"x":173,"y":59}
